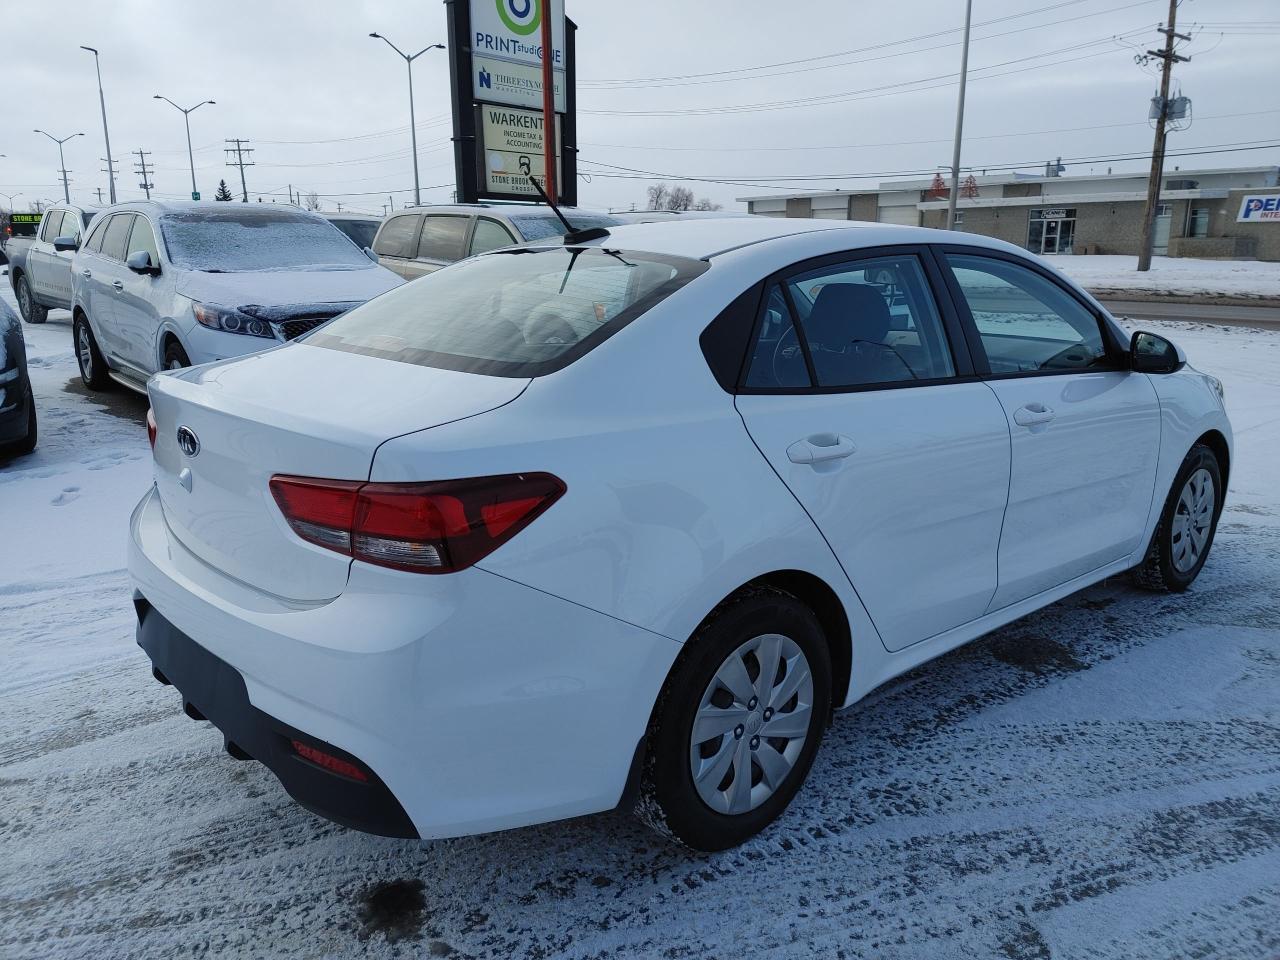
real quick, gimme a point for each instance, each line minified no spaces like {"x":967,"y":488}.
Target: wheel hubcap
{"x":84,"y":352}
{"x":24,"y":299}
{"x":751,"y":724}
{"x":1192,"y":520}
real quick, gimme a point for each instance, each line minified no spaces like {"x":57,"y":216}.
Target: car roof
{"x":703,"y":238}
{"x":500,"y":209}
{"x":158,"y":207}
{"x":343,"y":215}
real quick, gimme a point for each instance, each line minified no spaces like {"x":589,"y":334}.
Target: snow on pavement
{"x":1100,"y":779}
{"x":1174,"y":276}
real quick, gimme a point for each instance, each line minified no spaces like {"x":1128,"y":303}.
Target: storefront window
{"x":1051,"y":230}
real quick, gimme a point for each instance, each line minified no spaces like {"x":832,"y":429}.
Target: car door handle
{"x":86,"y":273}
{"x":1033,"y":414}
{"x":117,"y":284}
{"x":821,"y":448}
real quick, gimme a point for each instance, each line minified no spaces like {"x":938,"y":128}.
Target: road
{"x":1263,"y":317}
{"x":1099,"y":780}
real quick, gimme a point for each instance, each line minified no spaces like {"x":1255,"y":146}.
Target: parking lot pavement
{"x":1100,"y":779}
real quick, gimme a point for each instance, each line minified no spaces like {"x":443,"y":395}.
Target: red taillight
{"x":438,"y":527}
{"x":328,"y":761}
{"x":152,"y":429}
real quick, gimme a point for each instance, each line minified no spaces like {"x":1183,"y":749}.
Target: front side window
{"x":95,"y":236}
{"x":863,"y":323}
{"x":113,"y":242}
{"x":52,"y":224}
{"x":1027,"y":323}
{"x":518,"y":314}
{"x":242,"y":241}
{"x":489,"y":235}
{"x":143,"y":239}
{"x":398,"y":237}
{"x":442,"y":238}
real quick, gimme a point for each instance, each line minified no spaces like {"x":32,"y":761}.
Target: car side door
{"x":860,"y":393}
{"x":441,"y":242}
{"x":1085,"y":428}
{"x":397,"y":241}
{"x":104,"y":283}
{"x":42,"y":260}
{"x":137,"y":318}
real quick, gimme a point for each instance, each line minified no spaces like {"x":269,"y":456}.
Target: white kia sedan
{"x":619,"y":520}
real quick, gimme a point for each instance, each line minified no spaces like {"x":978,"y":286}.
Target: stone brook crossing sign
{"x":495,"y":75}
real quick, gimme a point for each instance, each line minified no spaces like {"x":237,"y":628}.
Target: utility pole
{"x":955,"y":150}
{"x":110,"y":171}
{"x":141,"y":168}
{"x":102,"y":101}
{"x":1169,"y":58}
{"x":240,"y":150}
{"x":99,"y":189}
{"x":62,"y":162}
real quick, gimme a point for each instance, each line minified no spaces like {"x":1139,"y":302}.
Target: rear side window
{"x":398,"y":237}
{"x":442,"y":238}
{"x":113,"y":242}
{"x":489,"y":235}
{"x":51,"y":225}
{"x":95,"y":236}
{"x":519,"y":314}
{"x":1027,"y":323}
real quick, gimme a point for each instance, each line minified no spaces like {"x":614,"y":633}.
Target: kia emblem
{"x":188,"y":442}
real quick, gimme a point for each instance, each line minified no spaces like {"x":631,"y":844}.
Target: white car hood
{"x":273,"y":288}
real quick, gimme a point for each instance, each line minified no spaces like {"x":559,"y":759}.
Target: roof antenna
{"x":571,"y":235}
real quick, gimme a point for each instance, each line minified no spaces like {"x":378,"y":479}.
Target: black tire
{"x":93,"y":368}
{"x":1160,"y":569}
{"x":24,"y":446}
{"x":669,"y":800}
{"x":174,"y":356}
{"x":31,"y":311}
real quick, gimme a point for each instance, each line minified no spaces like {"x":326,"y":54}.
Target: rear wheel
{"x":738,"y":722}
{"x":93,"y":369}
{"x":32,"y":312}
{"x":28,"y":443}
{"x":1184,"y":535}
{"x":175,"y":358}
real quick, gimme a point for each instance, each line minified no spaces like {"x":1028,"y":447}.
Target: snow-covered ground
{"x":1098,"y":780}
{"x":1174,"y":276}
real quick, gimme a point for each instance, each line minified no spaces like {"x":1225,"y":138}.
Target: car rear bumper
{"x":474,"y":703}
{"x":15,"y":403}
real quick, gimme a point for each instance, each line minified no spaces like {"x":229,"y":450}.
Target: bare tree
{"x":681,"y":198}
{"x":658,"y":194}
{"x":705,"y":203}
{"x":663,"y":197}
{"x":312,"y":201}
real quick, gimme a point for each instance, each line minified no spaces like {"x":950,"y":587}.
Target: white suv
{"x":166,"y":285}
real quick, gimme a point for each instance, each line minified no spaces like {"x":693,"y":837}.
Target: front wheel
{"x":175,"y":358}
{"x":1184,"y":535}
{"x":32,"y":312}
{"x":738,"y":722}
{"x":93,"y":369}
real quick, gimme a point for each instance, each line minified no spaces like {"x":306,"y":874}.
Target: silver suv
{"x":421,"y":240}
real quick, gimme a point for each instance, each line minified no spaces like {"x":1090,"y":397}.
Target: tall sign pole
{"x":955,"y":151}
{"x":548,"y":102}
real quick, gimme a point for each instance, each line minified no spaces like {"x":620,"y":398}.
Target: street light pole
{"x":186,"y":118}
{"x":955,"y":151}
{"x":413,"y":127}
{"x":66,"y":188}
{"x":102,"y":101}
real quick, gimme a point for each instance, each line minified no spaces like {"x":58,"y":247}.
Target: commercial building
{"x":1230,"y":213}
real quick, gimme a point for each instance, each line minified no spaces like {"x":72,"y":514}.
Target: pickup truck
{"x":40,"y":266}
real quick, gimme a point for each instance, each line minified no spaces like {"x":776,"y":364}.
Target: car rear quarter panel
{"x":670,"y":507}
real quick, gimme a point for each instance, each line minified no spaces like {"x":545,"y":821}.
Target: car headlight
{"x":1216,"y":384}
{"x":230,"y":320}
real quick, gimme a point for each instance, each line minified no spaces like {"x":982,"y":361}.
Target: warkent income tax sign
{"x":506,"y":51}
{"x":512,"y":150}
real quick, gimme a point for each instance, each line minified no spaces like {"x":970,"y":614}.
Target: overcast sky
{"x":326,"y":109}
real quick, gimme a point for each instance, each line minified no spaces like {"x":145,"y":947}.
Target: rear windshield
{"x":535,"y":227}
{"x":520,"y":313}
{"x":256,"y":240}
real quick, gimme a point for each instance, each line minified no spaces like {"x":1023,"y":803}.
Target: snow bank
{"x":1174,"y":276}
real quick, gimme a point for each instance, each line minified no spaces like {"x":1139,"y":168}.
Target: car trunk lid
{"x":299,"y":410}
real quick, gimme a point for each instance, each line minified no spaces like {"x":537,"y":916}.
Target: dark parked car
{"x":17,"y":404}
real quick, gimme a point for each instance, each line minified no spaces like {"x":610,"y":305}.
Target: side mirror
{"x":1152,"y":353}
{"x":140,"y":262}
{"x":368,"y":252}
{"x":62,"y":244}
